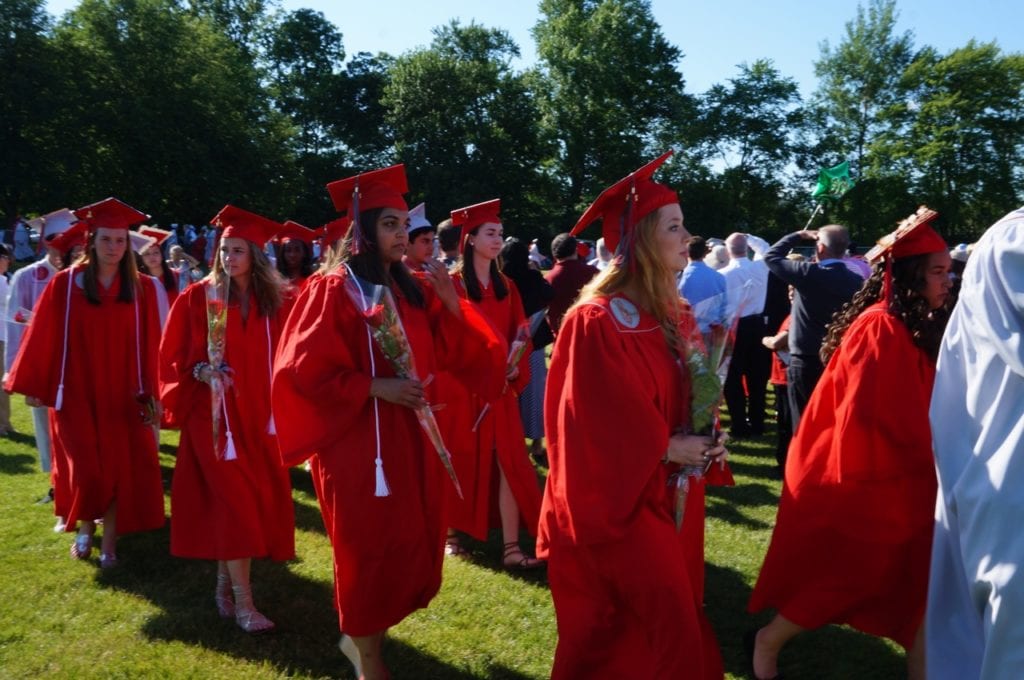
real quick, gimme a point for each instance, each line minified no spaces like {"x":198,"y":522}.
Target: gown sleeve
{"x":36,"y":368}
{"x":181,"y":347}
{"x":605,"y":432}
{"x":318,"y":387}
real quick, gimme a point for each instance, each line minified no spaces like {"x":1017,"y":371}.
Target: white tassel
{"x":382,"y":483}
{"x":271,"y":427}
{"x":60,"y":397}
{"x":229,"y":448}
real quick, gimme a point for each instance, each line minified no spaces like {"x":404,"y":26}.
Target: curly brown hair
{"x":908,"y":305}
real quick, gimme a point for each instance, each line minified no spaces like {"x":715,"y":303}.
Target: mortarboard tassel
{"x":357,"y":231}
{"x":229,"y":447}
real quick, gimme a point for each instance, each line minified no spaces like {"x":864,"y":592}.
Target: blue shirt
{"x":702,"y":284}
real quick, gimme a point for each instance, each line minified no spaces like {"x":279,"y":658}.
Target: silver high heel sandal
{"x":222,"y":596}
{"x":246,"y":615}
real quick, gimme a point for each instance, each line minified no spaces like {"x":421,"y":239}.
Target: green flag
{"x":833,"y":182}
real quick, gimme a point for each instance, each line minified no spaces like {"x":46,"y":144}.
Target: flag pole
{"x":813,"y":215}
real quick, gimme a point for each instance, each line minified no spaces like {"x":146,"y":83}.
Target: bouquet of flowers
{"x":22,"y":315}
{"x":216,"y":339}
{"x":708,"y":332}
{"x":380,"y":313}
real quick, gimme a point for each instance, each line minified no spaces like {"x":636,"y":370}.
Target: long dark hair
{"x":166,"y":274}
{"x":368,"y":265}
{"x":305,"y":266}
{"x":126,"y":268}
{"x":926,"y":325}
{"x":465,"y":267}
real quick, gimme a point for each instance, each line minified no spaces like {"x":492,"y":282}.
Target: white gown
{"x":975,"y":620}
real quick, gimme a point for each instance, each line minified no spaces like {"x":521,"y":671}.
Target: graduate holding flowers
{"x":230,"y":498}
{"x":627,"y":586}
{"x":341,"y":402}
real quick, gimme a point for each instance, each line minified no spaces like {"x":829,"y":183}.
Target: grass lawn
{"x":153,"y":616}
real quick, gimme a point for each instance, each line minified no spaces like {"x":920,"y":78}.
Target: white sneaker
{"x":60,"y":526}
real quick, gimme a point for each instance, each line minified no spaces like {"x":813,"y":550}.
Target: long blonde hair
{"x":653,"y":285}
{"x":266,"y":282}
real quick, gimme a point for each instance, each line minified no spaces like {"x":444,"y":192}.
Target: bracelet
{"x":197,"y":370}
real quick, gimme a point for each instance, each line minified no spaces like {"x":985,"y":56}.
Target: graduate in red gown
{"x":294,"y":245}
{"x":627,"y":587}
{"x":853,"y":535}
{"x":155,"y":265}
{"x":498,"y":480}
{"x":90,"y":353}
{"x":380,"y":483}
{"x":231,"y":498}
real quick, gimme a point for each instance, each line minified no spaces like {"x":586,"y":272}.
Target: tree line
{"x":181,"y":106}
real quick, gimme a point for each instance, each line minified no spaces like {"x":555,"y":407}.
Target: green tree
{"x":750,"y":129}
{"x":27,"y":97}
{"x":167,"y":113}
{"x":465,"y":125}
{"x":859,"y":81}
{"x":609,"y":83}
{"x":959,"y":135}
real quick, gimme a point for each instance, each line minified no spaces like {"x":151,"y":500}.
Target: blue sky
{"x":714,"y":35}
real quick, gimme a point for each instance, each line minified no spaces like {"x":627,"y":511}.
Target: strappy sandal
{"x":523,"y":564}
{"x":82,"y":547}
{"x":453,"y":546}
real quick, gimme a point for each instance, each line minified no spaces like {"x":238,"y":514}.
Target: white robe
{"x":26,"y":287}
{"x":975,"y":620}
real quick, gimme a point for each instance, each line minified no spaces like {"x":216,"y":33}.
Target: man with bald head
{"x":822,"y":288}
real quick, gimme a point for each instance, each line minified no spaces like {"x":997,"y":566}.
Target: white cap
{"x":418,"y":219}
{"x":51,"y":224}
{"x":139,"y":241}
{"x":960,"y":253}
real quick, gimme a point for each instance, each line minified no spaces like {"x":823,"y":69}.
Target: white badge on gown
{"x":625,"y":312}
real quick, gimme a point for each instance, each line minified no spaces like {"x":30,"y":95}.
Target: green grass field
{"x":153,"y":616}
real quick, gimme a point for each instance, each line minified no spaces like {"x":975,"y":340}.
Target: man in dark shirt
{"x":822,"y":288}
{"x":567,"y":277}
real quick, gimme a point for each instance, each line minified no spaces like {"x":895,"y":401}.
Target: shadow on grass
{"x":307,"y":514}
{"x":19,"y":463}
{"x":305,"y":641}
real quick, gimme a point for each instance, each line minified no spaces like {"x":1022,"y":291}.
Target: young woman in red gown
{"x":380,"y":483}
{"x":231,"y":497}
{"x":627,"y":586}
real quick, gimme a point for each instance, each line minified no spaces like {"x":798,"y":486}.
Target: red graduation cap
{"x":382,"y":188}
{"x":913,"y":236}
{"x":471,"y":217}
{"x":625,"y":203}
{"x":333,"y":230}
{"x":238,"y":223}
{"x":159,"y":235}
{"x":110,"y":213}
{"x":294,"y":230}
{"x":76,"y":235}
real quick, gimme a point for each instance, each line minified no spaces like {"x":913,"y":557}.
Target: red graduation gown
{"x":225,"y":509}
{"x":853,"y":534}
{"x":628,"y":589}
{"x":107,"y":453}
{"x":500,"y":431}
{"x":388,"y":550}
